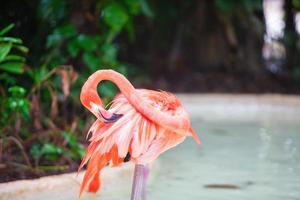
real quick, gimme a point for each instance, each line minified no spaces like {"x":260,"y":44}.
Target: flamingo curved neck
{"x":179,"y":123}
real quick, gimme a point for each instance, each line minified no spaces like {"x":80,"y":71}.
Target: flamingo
{"x":141,"y":123}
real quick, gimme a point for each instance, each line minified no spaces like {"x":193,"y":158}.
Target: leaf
{"x":51,"y":10}
{"x":21,"y":48}
{"x":91,"y":61}
{"x":80,"y":150}
{"x":38,"y":74}
{"x":115,"y":16}
{"x":12,"y":104}
{"x":109,"y":53}
{"x":134,"y":6}
{"x":7,"y":29}
{"x":49,"y":148}
{"x":13,"y":58}
{"x":53,"y":40}
{"x":11,"y":39}
{"x":4,"y":50}
{"x":68,"y":30}
{"x":12,"y":67}
{"x":17,"y":91}
{"x":111,"y":35}
{"x":146,"y":10}
{"x":73,"y":48}
{"x":87,"y":43}
{"x":35,"y":150}
{"x":107,"y":89}
{"x":70,"y":138}
{"x":24,"y":105}
{"x":7,"y":79}
{"x":130,"y":31}
{"x":123,"y":69}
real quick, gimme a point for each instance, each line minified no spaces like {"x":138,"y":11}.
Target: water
{"x":255,"y":160}
{"x":238,"y":159}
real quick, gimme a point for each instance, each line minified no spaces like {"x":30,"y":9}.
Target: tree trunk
{"x":290,"y":35}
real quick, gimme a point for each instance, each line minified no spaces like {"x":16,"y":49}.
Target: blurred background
{"x":48,"y":48}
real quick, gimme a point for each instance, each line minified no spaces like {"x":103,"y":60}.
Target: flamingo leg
{"x":139,"y":186}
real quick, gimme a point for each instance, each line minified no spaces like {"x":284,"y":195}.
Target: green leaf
{"x":7,"y":79}
{"x":73,"y":48}
{"x":4,"y":50}
{"x":21,"y":48}
{"x":70,"y":138}
{"x":111,"y":35}
{"x":107,"y":90}
{"x":87,"y":43}
{"x":17,"y":91}
{"x":11,"y":39}
{"x":130,"y":31}
{"x":12,"y":104}
{"x":49,"y":148}
{"x":12,"y":67}
{"x":80,"y":150}
{"x":134,"y":6}
{"x":51,"y":10}
{"x":115,"y":16}
{"x":122,"y":69}
{"x":67,"y":30}
{"x":92,"y":61}
{"x":146,"y":10}
{"x":60,"y":34}
{"x":35,"y":150}
{"x":53,"y":40}
{"x":7,"y":29}
{"x":38,"y":74}
{"x":13,"y":58}
{"x":109,"y":53}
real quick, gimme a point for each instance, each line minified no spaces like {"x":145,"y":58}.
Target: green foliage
{"x":52,"y":10}
{"x":296,"y":4}
{"x":46,"y":150}
{"x":115,"y":16}
{"x":95,"y":50}
{"x":16,"y":104}
{"x":75,"y":151}
{"x":39,"y":86}
{"x":52,"y":152}
{"x":10,"y":49}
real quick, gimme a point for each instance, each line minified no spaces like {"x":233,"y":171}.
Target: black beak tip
{"x":113,"y":118}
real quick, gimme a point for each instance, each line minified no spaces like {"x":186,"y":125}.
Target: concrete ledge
{"x":65,"y":186}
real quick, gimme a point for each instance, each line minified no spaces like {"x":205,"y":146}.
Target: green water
{"x":257,"y":160}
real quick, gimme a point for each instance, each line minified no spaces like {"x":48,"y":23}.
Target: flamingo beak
{"x":110,"y":117}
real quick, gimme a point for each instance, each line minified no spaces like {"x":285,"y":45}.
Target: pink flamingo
{"x":142,"y":123}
